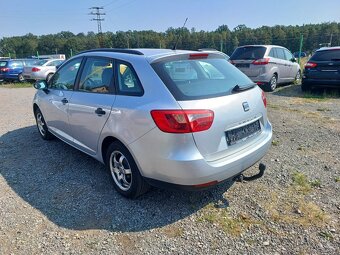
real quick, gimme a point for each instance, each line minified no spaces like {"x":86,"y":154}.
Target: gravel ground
{"x":57,"y":200}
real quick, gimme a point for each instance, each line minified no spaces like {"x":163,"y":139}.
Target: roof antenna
{"x":179,"y":35}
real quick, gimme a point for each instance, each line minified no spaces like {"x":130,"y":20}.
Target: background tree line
{"x":315,"y":36}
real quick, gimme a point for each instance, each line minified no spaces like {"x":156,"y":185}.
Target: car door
{"x":56,"y":102}
{"x":291,"y":66}
{"x":91,"y":103}
{"x":282,"y":65}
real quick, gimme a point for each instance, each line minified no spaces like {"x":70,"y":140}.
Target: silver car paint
{"x":45,"y":70}
{"x":186,"y":159}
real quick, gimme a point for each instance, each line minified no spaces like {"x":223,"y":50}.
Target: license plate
{"x":242,"y":65}
{"x":235,"y":135}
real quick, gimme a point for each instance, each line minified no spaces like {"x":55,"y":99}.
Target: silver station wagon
{"x":167,"y":118}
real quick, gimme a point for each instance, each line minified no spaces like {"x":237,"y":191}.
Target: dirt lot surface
{"x":57,"y":200}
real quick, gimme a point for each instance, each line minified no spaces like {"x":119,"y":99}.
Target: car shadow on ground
{"x":74,"y":191}
{"x":316,"y":93}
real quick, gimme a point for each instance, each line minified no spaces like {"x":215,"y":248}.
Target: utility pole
{"x":330,"y":41}
{"x":96,"y":11}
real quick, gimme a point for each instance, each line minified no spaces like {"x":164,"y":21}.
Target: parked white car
{"x":42,"y":69}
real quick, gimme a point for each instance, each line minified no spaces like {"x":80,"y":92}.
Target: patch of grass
{"x":337,"y":179}
{"x":17,"y":85}
{"x":275,"y":142}
{"x":222,"y":218}
{"x":273,"y":106}
{"x":290,"y":207}
{"x":301,"y":183}
{"x":326,"y":235}
{"x":323,"y":110}
{"x":315,"y":183}
{"x":173,"y":231}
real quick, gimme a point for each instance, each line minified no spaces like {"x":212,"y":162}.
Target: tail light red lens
{"x":311,"y":65}
{"x":264,"y":99}
{"x":35,"y":69}
{"x":262,"y":61}
{"x":4,"y":69}
{"x":183,"y":121}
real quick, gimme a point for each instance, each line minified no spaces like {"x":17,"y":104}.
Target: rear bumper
{"x":189,"y":168}
{"x":321,"y":83}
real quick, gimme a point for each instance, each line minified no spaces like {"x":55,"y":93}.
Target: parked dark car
{"x":11,"y":69}
{"x":322,"y":69}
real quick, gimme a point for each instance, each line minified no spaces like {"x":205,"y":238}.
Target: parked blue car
{"x":11,"y":69}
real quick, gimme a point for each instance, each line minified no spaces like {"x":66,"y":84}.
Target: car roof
{"x":329,"y":48}
{"x":150,"y":54}
{"x":261,"y":45}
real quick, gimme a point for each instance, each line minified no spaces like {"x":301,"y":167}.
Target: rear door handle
{"x":100,"y":112}
{"x":64,"y":101}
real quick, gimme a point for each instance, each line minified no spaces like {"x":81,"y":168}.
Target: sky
{"x":20,"y":17}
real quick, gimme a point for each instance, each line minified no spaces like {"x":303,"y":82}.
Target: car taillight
{"x":198,"y":55}
{"x":4,"y":69}
{"x":183,"y":121}
{"x":310,"y":65}
{"x":35,"y":69}
{"x":264,"y":99}
{"x":262,"y":61}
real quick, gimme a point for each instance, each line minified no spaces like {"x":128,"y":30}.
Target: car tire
{"x":305,"y":87}
{"x":21,"y":78}
{"x":48,"y":77}
{"x":41,"y":125}
{"x":297,"y":79}
{"x":272,"y":84}
{"x":125,"y":174}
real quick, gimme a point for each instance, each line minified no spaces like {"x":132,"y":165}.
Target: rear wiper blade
{"x":238,"y":88}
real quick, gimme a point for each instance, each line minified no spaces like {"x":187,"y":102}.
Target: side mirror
{"x":41,"y":85}
{"x":293,"y":60}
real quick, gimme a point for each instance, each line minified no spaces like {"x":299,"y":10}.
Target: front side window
{"x":192,"y":79}
{"x":97,"y":75}
{"x":16,"y":64}
{"x":66,"y":76}
{"x":128,"y":82}
{"x":289,"y":56}
{"x":280,"y":53}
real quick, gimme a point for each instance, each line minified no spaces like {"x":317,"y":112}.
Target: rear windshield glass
{"x":326,"y":55}
{"x":200,"y":78}
{"x":3,"y":63}
{"x":248,"y":53}
{"x":41,"y":62}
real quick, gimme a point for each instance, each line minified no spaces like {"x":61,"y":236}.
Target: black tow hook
{"x":241,"y":177}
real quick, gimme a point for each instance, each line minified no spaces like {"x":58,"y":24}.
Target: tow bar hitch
{"x":241,"y":177}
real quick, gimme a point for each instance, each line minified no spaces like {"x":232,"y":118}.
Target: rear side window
{"x":128,"y":82}
{"x":280,"y":53}
{"x":248,"y":53}
{"x":326,"y":55}
{"x":200,"y":78}
{"x":3,"y":63}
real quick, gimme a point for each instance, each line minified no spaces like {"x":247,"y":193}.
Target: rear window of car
{"x":253,"y":52}
{"x":326,"y":55}
{"x":3,"y":63}
{"x":190,"y":79}
{"x":41,"y":62}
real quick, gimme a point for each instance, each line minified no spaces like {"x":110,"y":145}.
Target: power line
{"x":98,"y":17}
{"x":96,"y":12}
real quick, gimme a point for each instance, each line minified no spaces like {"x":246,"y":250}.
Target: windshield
{"x":251,"y":52}
{"x":200,"y":78}
{"x":326,"y":55}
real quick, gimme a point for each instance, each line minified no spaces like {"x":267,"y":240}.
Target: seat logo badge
{"x":245,"y":106}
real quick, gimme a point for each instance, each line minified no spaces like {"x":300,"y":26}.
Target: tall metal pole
{"x":97,"y":12}
{"x":301,"y":42}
